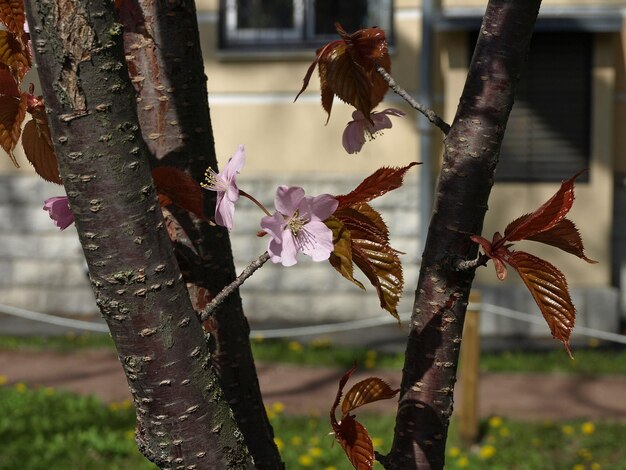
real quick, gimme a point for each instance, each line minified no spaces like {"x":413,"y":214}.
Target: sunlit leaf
{"x":12,"y":114}
{"x":546,"y":217}
{"x":548,"y":287}
{"x":565,"y":236}
{"x":39,"y":150}
{"x":12,"y":15}
{"x":13,"y":55}
{"x":347,"y":69}
{"x":366,"y":391}
{"x":341,"y":257}
{"x":382,"y":181}
{"x":177,"y":187}
{"x":356,"y":443}
{"x":342,"y":383}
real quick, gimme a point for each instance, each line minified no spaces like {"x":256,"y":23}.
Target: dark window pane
{"x":548,"y":133}
{"x":265,"y":14}
{"x":352,"y":14}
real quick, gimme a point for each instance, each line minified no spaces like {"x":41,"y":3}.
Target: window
{"x":285,"y":24}
{"x":548,"y":134}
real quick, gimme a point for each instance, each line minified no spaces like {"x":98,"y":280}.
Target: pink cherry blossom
{"x":226,"y":187}
{"x":59,"y":211}
{"x":298,"y":226}
{"x":360,"y":128}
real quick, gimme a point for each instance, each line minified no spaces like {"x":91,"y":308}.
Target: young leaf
{"x":544,"y":218}
{"x":13,"y":55}
{"x":342,"y":383}
{"x":341,"y":257}
{"x":177,"y":187}
{"x":382,"y":181}
{"x":12,"y":113}
{"x":347,"y":69}
{"x":366,"y":391}
{"x":356,"y":442}
{"x":38,"y":147}
{"x":8,"y":85}
{"x":565,"y":236}
{"x":548,"y":287}
{"x":12,"y":16}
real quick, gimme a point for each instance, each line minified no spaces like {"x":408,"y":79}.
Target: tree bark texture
{"x":165,"y":61}
{"x":183,"y":419}
{"x":471,"y":151}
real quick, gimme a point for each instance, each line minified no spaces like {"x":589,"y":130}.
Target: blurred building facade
{"x":570,"y":113}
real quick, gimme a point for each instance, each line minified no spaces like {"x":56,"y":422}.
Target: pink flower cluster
{"x":59,"y":211}
{"x":361,"y":128}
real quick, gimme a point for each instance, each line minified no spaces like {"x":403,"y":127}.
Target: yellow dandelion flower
{"x":330,"y":467}
{"x":130,"y":434}
{"x":486,"y":452}
{"x":495,"y":422}
{"x":578,"y":466}
{"x":270,"y":415}
{"x":377,"y":441}
{"x":3,"y":379}
{"x":280,"y":445}
{"x":567,"y":430}
{"x":305,"y":460}
{"x":259,"y":338}
{"x":20,"y":387}
{"x":114,"y":406}
{"x":454,"y":452}
{"x":322,"y":342}
{"x":369,"y":363}
{"x":585,"y":454}
{"x":315,"y":452}
{"x":462,"y":462}
{"x":295,"y":346}
{"x":126,"y":404}
{"x":371,"y":354}
{"x":296,"y":441}
{"x":314,"y":440}
{"x":278,"y":407}
{"x":595,"y":466}
{"x":504,"y":432}
{"x":536,"y":442}
{"x":588,"y":428}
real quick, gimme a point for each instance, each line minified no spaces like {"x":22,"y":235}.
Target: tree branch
{"x":429,"y":113}
{"x":471,"y":152}
{"x":229,"y":289}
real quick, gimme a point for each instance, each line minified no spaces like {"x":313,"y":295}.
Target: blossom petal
{"x":381,"y":121}
{"x":393,"y":112}
{"x":322,"y":207}
{"x":274,"y":248}
{"x":59,"y":211}
{"x":353,"y":136}
{"x":224,"y":211}
{"x":289,"y":250}
{"x":316,"y":240}
{"x":288,"y":199}
{"x":274,"y":225}
{"x":235,"y":164}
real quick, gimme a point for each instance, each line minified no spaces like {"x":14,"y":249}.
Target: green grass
{"x":320,"y":352}
{"x":45,"y":429}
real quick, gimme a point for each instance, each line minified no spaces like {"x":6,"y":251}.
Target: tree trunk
{"x":162,"y":46}
{"x":470,"y":155}
{"x":183,"y":420}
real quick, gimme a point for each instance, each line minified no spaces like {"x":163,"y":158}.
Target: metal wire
{"x":316,"y":330}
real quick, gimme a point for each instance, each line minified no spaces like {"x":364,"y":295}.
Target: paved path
{"x":311,"y":389}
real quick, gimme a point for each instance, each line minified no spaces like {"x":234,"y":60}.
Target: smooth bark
{"x":165,"y":60}
{"x":183,"y":419}
{"x":471,"y":151}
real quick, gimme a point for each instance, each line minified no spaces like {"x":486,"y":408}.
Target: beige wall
{"x":510,"y":200}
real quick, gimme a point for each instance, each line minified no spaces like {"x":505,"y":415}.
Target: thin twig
{"x":429,"y":113}
{"x":466,"y":265}
{"x":230,"y":288}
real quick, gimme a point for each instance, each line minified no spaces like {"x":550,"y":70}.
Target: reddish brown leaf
{"x":341,"y":257}
{"x":382,"y":181}
{"x":546,"y":217}
{"x":38,"y":148}
{"x":12,"y":114}
{"x":356,"y":443}
{"x":8,"y":85}
{"x":364,"y":218}
{"x":548,"y":287}
{"x":366,"y":391}
{"x":13,"y":55}
{"x":346,"y":69}
{"x":12,"y":15}
{"x":342,"y":383}
{"x":177,"y":187}
{"x":565,"y":236}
